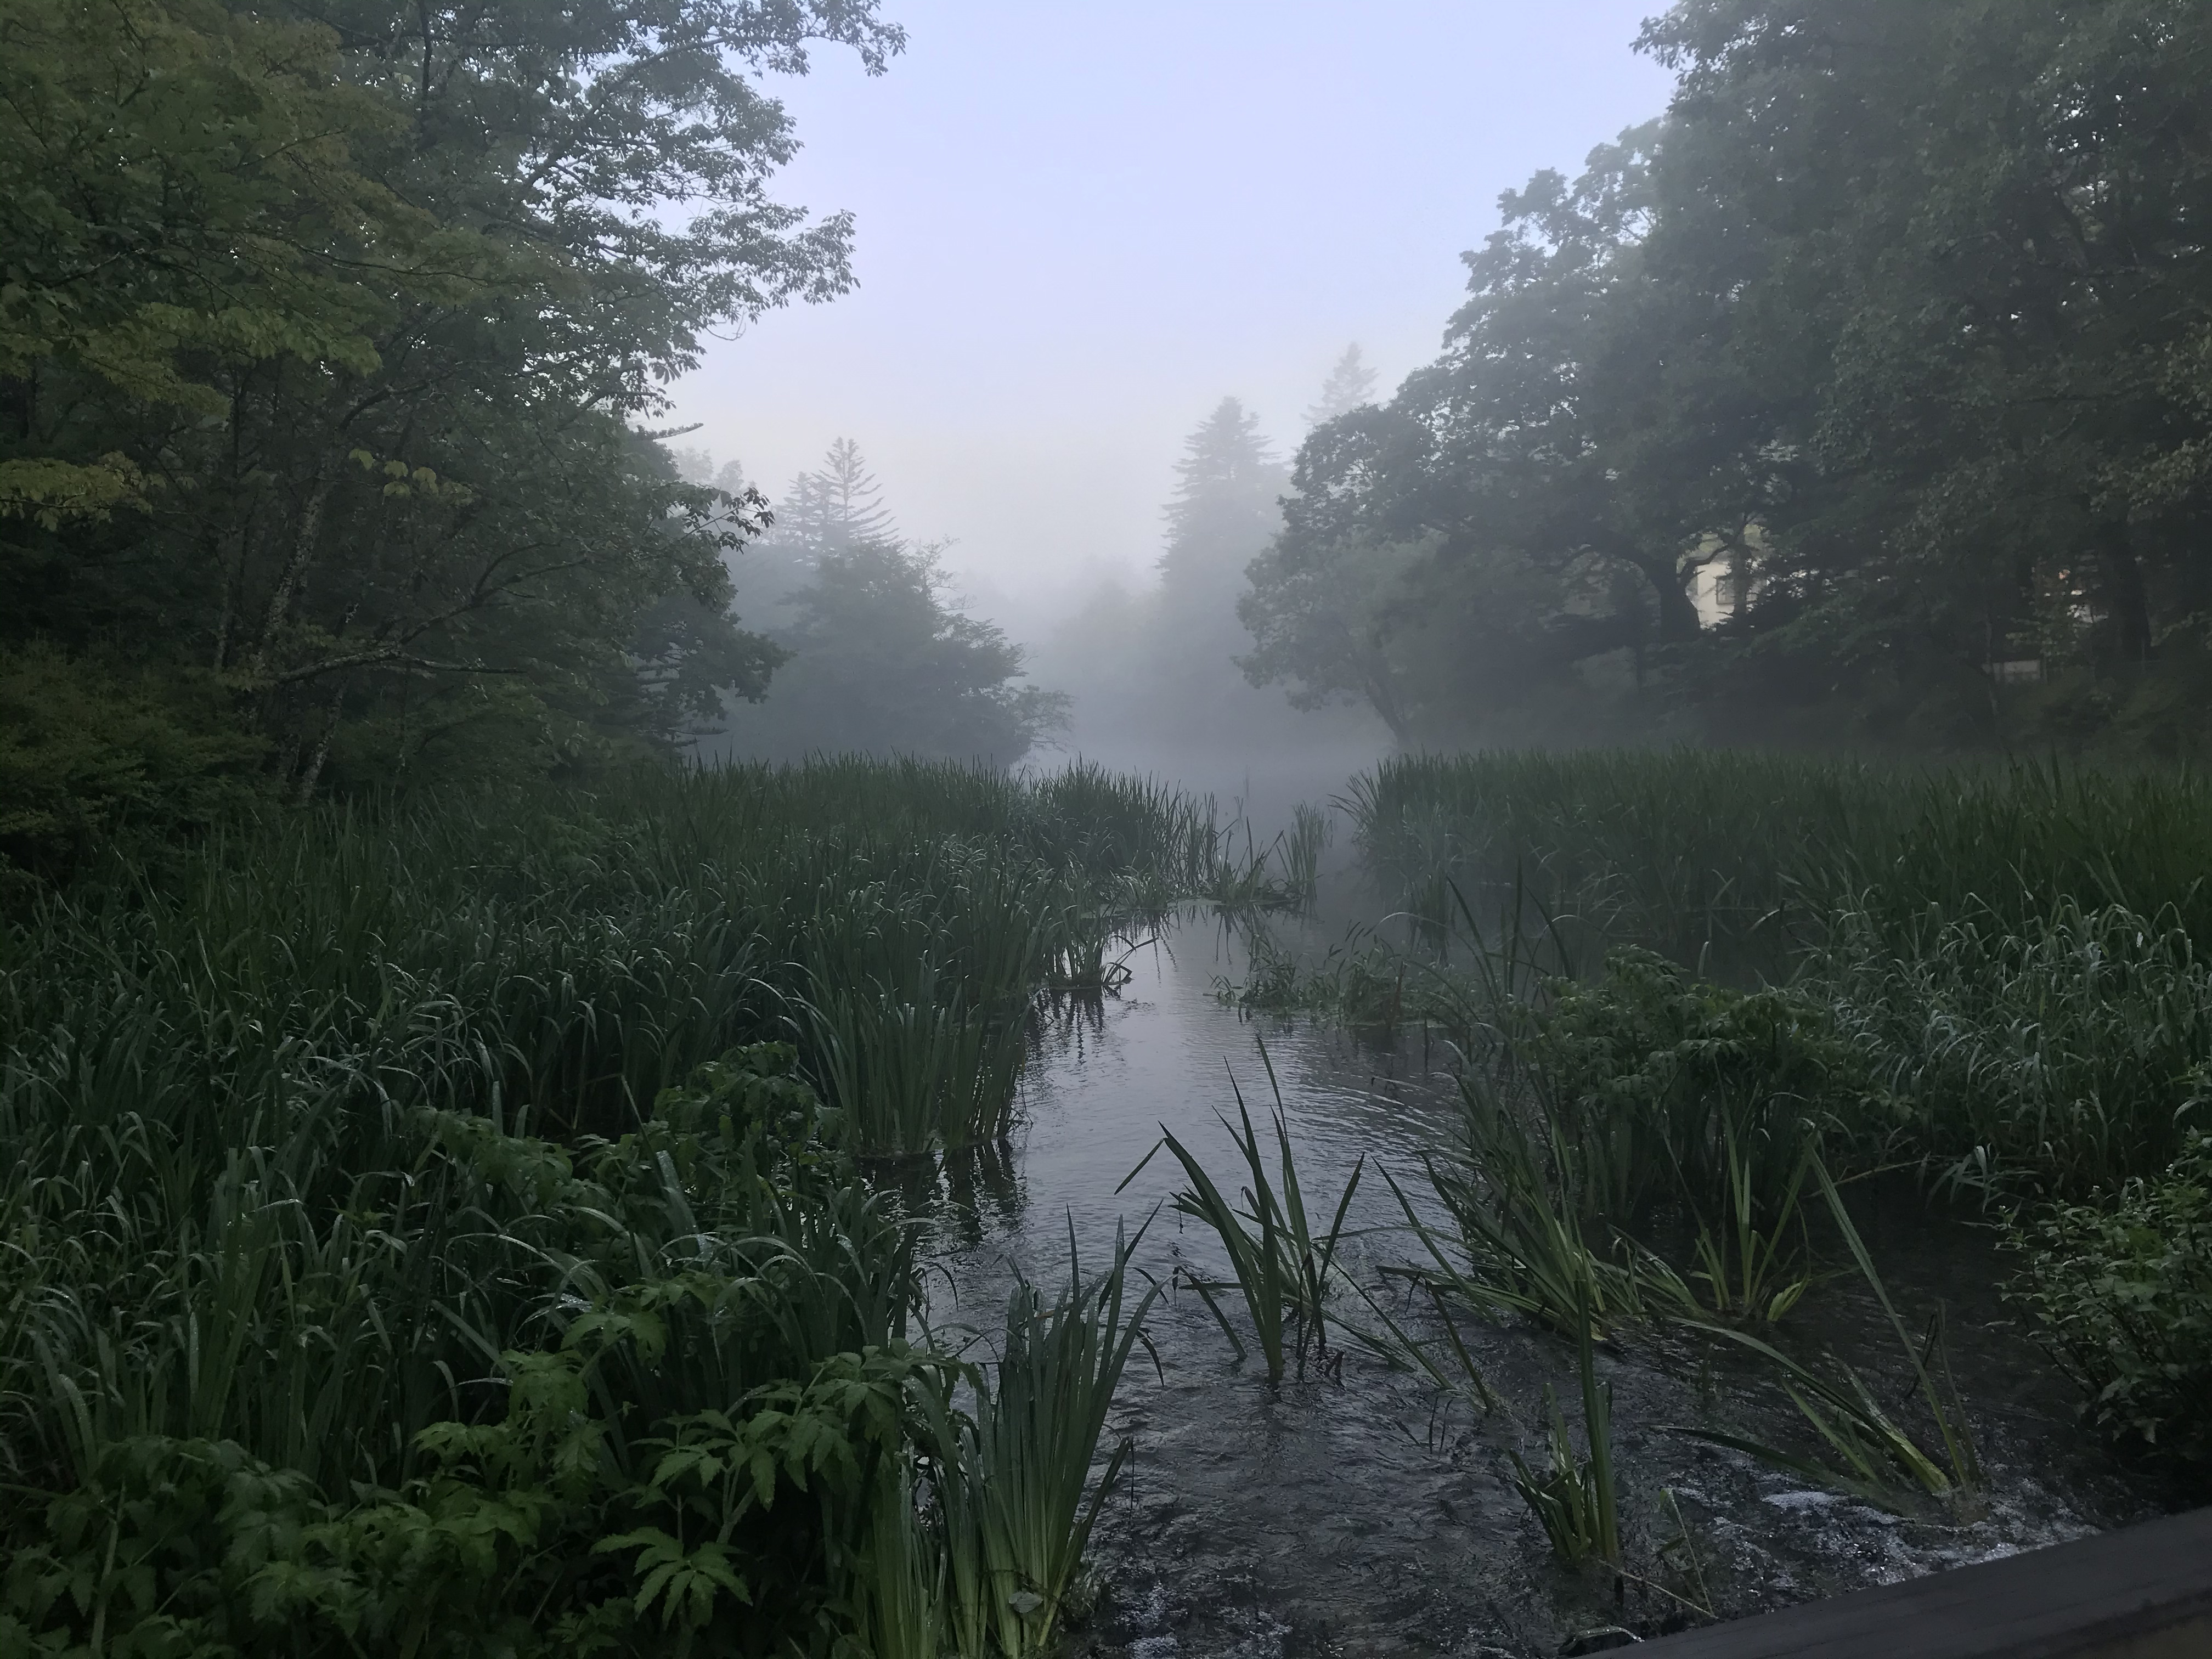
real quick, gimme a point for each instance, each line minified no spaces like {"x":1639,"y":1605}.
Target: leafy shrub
{"x":86,"y":748}
{"x":2121,"y":1286}
{"x":689,"y":1454}
{"x":1650,"y":1077}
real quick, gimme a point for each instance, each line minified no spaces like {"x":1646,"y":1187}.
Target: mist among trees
{"x":1866,"y":396}
{"x":1154,"y":671}
{"x":1862,"y":396}
{"x":880,"y":656}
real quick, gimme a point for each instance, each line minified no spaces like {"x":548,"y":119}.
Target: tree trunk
{"x":2120,"y":577}
{"x":1678,"y":612}
{"x":306,"y":533}
{"x":1383,"y":698}
{"x":312,"y":773}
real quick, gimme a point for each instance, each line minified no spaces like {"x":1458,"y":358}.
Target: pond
{"x":1362,"y":1512}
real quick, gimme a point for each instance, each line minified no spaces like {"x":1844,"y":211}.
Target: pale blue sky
{"x":1081,"y":227}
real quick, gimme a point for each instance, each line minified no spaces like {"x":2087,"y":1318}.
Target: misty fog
{"x":1073,"y":246}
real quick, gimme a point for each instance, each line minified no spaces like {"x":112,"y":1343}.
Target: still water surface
{"x":1358,"y":1514}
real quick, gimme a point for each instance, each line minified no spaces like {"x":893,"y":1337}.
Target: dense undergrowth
{"x":1692,"y":986}
{"x":444,"y":1229}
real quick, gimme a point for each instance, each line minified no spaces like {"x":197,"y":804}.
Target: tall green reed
{"x":1280,"y":1264}
{"x":339,"y":1139}
{"x":1019,"y":1487}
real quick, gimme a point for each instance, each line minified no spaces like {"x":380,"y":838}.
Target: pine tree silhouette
{"x":1224,"y":509}
{"x":1350,"y":385}
{"x":834,"y":509}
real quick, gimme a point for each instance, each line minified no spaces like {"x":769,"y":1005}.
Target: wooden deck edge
{"x":2144,"y":1592}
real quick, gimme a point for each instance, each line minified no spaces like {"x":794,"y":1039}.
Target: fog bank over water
{"x":1078,"y":230}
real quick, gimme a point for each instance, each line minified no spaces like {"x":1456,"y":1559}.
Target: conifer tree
{"x":1350,"y":385}
{"x":883,"y":660}
{"x":835,"y":507}
{"x":1224,"y":512}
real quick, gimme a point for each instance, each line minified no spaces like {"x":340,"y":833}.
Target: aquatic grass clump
{"x":1281,"y":1268}
{"x":1869,"y":1454}
{"x":1018,"y":1488}
{"x":1753,"y":1256}
{"x":913,"y":1078}
{"x":1521,"y":1246}
{"x":1577,"y":1501}
{"x":1089,"y":952}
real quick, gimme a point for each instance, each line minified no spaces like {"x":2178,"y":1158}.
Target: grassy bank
{"x":1681,"y":978}
{"x":444,"y":1228}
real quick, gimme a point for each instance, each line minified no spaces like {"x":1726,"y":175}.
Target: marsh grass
{"x":910,"y":1079}
{"x":422,"y":1167}
{"x":1519,"y":1244}
{"x":1089,"y":953}
{"x":1679,"y":849}
{"x":2013,"y":955}
{"x":1282,"y":1267}
{"x":1577,"y":1500}
{"x":1019,"y":1486}
{"x":1753,"y":1255}
{"x":1867,"y":1454}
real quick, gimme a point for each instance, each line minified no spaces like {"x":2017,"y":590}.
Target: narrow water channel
{"x":1357,"y":1513}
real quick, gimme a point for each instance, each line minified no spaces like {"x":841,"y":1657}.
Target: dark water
{"x":1360,"y":1513}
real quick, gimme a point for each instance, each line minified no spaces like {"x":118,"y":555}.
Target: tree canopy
{"x":325,"y":334}
{"x":1872,"y":380}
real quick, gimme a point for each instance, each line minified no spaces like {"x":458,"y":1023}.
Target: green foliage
{"x":1640,"y":1107}
{"x":1996,"y":976}
{"x":1924,"y":501}
{"x":87,"y":750}
{"x":2055,"y":1052}
{"x":1665,"y":1088}
{"x":2121,"y":1289}
{"x":623,"y":1495}
{"x":322,"y":343}
{"x":410,"y":1244}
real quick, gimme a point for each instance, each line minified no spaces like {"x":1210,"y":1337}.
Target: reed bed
{"x":1761,"y":969}
{"x":1747,"y":855}
{"x":443,"y":1225}
{"x":2011,"y":962}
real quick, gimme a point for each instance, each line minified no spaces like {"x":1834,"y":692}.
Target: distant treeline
{"x":326,"y":333}
{"x":1866,"y":396}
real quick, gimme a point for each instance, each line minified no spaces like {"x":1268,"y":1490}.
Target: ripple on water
{"x":1359,"y":1516}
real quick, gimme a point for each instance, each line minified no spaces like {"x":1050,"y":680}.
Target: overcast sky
{"x":1080,"y":227}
